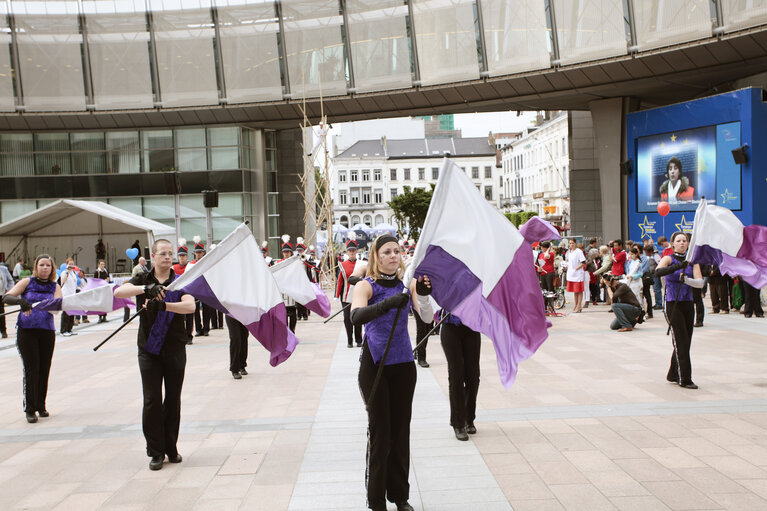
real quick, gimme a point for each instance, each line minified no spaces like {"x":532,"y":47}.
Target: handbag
{"x":557,"y":281}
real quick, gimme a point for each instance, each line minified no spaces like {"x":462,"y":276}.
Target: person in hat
{"x":202,"y":312}
{"x":344,"y":290}
{"x":265,"y":252}
{"x":290,"y":303}
{"x":178,"y":269}
{"x":301,"y":311}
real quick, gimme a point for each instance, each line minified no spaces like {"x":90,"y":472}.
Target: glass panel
{"x":50,"y":58}
{"x":248,"y":37}
{"x":516,"y":36}
{"x":229,"y":204}
{"x":447,"y":43}
{"x":380,"y":51}
{"x":271,"y":201}
{"x":271,"y":181}
{"x":123,"y":152}
{"x":6,"y":75}
{"x":185,"y":61}
{"x":192,"y":206}
{"x":118,"y":43}
{"x":223,"y":227}
{"x":314,"y":48}
{"x":274,"y":226}
{"x":158,"y":150}
{"x":743,"y":13}
{"x":131,"y":204}
{"x":159,"y":207}
{"x":228,"y":135}
{"x":224,"y":158}
{"x":190,"y":154}
{"x":93,"y":161}
{"x":191,"y":227}
{"x":10,"y":209}
{"x":589,"y":29}
{"x":270,"y":138}
{"x":665,"y":23}
{"x":52,"y":154}
{"x":16,"y":157}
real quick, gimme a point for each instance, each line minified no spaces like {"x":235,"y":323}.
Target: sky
{"x":477,"y":125}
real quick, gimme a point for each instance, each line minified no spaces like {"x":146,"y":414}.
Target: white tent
{"x":73,"y":227}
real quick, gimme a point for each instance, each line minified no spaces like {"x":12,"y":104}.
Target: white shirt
{"x":70,"y":285}
{"x":17,"y":270}
{"x":574,"y":259}
{"x":673,"y":190}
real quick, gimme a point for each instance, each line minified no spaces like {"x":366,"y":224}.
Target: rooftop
{"x":392,"y":149}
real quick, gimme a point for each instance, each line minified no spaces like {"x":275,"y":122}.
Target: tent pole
{"x":177,"y":213}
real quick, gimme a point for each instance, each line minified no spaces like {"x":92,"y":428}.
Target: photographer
{"x":628,"y":312}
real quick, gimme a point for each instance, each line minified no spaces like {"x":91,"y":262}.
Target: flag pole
{"x":118,"y":329}
{"x":425,"y":337}
{"x":337,"y":313}
{"x":383,"y":360}
{"x":10,"y":312}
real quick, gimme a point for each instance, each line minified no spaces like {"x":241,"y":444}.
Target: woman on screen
{"x":676,"y":187}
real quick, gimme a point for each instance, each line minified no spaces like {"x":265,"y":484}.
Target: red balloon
{"x":663,"y":208}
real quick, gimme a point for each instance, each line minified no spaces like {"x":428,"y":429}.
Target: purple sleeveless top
{"x":36,"y":292}
{"x":377,"y":331}
{"x":672,"y":286}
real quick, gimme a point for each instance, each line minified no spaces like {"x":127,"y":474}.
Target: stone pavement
{"x":590,"y":424}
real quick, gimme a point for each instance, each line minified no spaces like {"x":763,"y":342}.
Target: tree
{"x":520,"y":218}
{"x":410,"y":208}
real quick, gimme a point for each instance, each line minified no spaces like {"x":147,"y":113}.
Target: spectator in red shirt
{"x":619,"y":258}
{"x":545,"y":266}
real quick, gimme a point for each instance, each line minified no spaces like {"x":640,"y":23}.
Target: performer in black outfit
{"x":36,"y":333}
{"x":462,"y":346}
{"x":375,"y":303}
{"x":421,"y":329}
{"x":751,"y":301}
{"x":680,"y":279}
{"x":238,"y":347}
{"x":161,"y":352}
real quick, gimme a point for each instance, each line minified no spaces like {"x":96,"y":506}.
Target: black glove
{"x":155,"y":306}
{"x":422,"y":288}
{"x":668,"y":270}
{"x":354,"y":280}
{"x":152,"y":291}
{"x":362,"y":315}
{"x":25,"y":305}
{"x":17,"y":300}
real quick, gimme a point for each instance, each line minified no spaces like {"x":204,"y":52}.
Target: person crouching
{"x":628,"y":312}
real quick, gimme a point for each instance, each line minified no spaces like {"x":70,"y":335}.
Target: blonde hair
{"x":604,"y":250}
{"x":52,"y":277}
{"x":374,"y":264}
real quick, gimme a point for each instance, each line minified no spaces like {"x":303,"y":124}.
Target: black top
{"x":624,"y":294}
{"x":177,"y":330}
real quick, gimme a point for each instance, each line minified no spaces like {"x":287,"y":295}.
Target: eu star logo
{"x":727,"y":196}
{"x":647,"y":228}
{"x":684,"y":226}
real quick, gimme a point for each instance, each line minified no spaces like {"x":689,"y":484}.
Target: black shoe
{"x":640,"y":319}
{"x":5,"y":336}
{"x":175,"y":458}
{"x":200,"y":334}
{"x":156,"y":462}
{"x":350,"y":345}
{"x":243,"y":372}
{"x":31,"y":417}
{"x":744,"y":315}
{"x":423,"y":363}
{"x":658,"y":307}
{"x":404,"y":506}
{"x":698,"y":324}
{"x":471,"y":429}
{"x":236,"y":375}
{"x":190,"y":341}
{"x":44,"y":413}
{"x":671,"y":379}
{"x":649,"y":316}
{"x":689,"y":385}
{"x":359,"y":344}
{"x":760,"y":315}
{"x":460,"y":434}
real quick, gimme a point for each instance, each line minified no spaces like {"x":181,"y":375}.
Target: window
{"x":421,"y":173}
{"x":341,"y":176}
{"x":393,"y":192}
{"x":435,"y":172}
{"x":355,"y":197}
{"x":376,"y":174}
{"x":355,"y":219}
{"x":475,"y":172}
{"x":489,"y":192}
{"x":393,"y":174}
{"x":342,"y":197}
{"x":378,"y":199}
{"x":407,"y":175}
{"x":488,"y":172}
{"x":366,"y":175}
{"x":366,"y":196}
{"x":354,"y":175}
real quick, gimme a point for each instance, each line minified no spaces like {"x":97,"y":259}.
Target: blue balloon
{"x":62,"y":268}
{"x":132,"y":253}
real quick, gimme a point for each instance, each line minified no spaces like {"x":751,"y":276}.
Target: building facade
{"x":370,"y":173}
{"x":535,"y":168}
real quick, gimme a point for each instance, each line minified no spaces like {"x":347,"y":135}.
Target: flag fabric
{"x":234,"y":279}
{"x":538,"y":229}
{"x":292,"y":280}
{"x":95,"y":298}
{"x":481,"y":270}
{"x":718,"y":237}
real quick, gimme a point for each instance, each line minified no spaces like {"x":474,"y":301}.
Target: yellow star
{"x":684,"y":226}
{"x":647,"y":228}
{"x":673,"y":138}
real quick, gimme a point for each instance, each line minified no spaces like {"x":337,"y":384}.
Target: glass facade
{"x":590,"y":30}
{"x":665,"y":23}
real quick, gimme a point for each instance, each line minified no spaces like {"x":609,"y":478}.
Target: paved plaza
{"x":590,"y":424}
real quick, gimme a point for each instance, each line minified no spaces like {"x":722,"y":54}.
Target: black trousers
{"x":238,"y":344}
{"x":388,"y":452}
{"x":462,"y":346}
{"x":421,"y":328}
{"x":752,"y":303}
{"x":35,"y":346}
{"x":67,"y":322}
{"x":681,"y":321}
{"x":700,"y":309}
{"x":547,"y":282}
{"x":3,"y":330}
{"x":291,"y":310}
{"x":594,"y":292}
{"x":205,"y":312}
{"x":647,"y":289}
{"x":357,"y":329}
{"x":303,"y":312}
{"x":161,"y":417}
{"x":189,"y":324}
{"x":720,"y":298}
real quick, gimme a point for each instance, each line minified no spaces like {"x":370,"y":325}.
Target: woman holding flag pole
{"x":36,"y":333}
{"x":387,"y":373}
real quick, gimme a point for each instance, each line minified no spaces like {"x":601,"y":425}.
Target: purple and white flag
{"x":538,"y":229}
{"x":292,"y":280}
{"x":481,"y":270}
{"x":95,"y":298}
{"x":234,"y":279}
{"x":718,"y":237}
